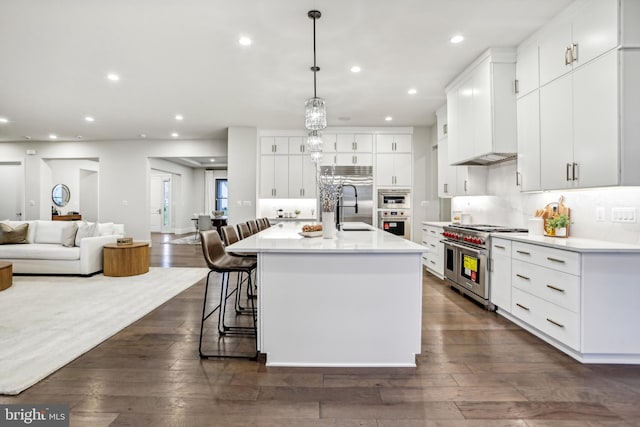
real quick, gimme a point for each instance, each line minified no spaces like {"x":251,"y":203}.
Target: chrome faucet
{"x":339,"y":205}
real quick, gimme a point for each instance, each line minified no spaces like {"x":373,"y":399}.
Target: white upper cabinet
{"x":357,"y":143}
{"x":441,"y":122}
{"x":528,"y":167}
{"x":527,"y":68}
{"x":329,"y":143}
{"x":393,"y":143}
{"x":481,"y":109}
{"x":274,"y":176}
{"x":297,"y":145}
{"x":302,"y":174}
{"x":578,"y":35}
{"x":393,"y":169}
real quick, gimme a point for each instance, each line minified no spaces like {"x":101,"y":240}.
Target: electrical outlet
{"x":600,"y":213}
{"x":627,"y":215}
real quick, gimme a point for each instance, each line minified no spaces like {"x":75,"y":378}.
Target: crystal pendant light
{"x":314,"y":141}
{"x":315,"y":111}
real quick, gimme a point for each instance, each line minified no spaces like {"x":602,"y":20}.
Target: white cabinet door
{"x":441,"y":122}
{"x":527,"y":67}
{"x":465,"y":121}
{"x":329,"y":143}
{"x":452,"y":127}
{"x":595,"y":122}
{"x":555,"y":60}
{"x":402,"y":143}
{"x":500,"y":289}
{"x":384,"y":144}
{"x":595,"y":30}
{"x":402,"y":169}
{"x":296,"y":145}
{"x":446,"y":172}
{"x":296,"y":174}
{"x":274,"y":145}
{"x":309,"y":185}
{"x":529,"y":141}
{"x":482,"y":109}
{"x":354,"y":159}
{"x":556,"y":135}
{"x":384,"y":169}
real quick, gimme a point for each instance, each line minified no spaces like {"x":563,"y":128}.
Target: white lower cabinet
{"x":500,"y":274}
{"x":433,"y":258}
{"x":584,"y":302}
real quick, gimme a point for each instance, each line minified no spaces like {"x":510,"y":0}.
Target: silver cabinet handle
{"x":499,"y":246}
{"x":522,"y":277}
{"x":574,"y":52}
{"x":567,"y":55}
{"x":554,"y":288}
{"x":568,"y":168}
{"x":523,"y":307}
{"x":465,"y":185}
{"x":516,"y":86}
{"x":518,"y":182}
{"x":555,"y":323}
{"x":561,"y":261}
{"x":445,"y":129}
{"x":432,"y":232}
{"x":432,"y":262}
{"x":432,"y":245}
{"x":446,"y":190}
{"x":574,"y":170}
{"x":523,"y":252}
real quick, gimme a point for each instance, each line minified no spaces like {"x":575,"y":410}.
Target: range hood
{"x":487,"y":159}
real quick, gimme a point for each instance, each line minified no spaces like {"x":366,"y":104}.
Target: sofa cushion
{"x":49,"y":231}
{"x":10,"y":235}
{"x":68,"y":237}
{"x":85,"y":229}
{"x":104,"y":229}
{"x":118,"y":229}
{"x":32,"y":228}
{"x":39,"y":251}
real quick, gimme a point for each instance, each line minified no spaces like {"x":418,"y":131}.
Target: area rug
{"x":189,"y":240}
{"x":48,"y":321}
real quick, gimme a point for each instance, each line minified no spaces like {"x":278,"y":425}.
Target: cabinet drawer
{"x":558,"y":323}
{"x":557,"y":259}
{"x":432,"y":231}
{"x":500,"y":247}
{"x":559,"y":288}
{"x":434,"y":263}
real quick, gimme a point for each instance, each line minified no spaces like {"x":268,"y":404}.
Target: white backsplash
{"x":508,"y":206}
{"x":269,"y":207}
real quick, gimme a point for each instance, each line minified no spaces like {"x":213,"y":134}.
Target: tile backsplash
{"x":506,"y":205}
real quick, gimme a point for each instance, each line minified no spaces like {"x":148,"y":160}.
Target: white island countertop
{"x":285,"y":237}
{"x":575,"y":244}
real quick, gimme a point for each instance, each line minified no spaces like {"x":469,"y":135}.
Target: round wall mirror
{"x":60,"y":195}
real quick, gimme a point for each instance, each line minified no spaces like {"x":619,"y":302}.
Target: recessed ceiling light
{"x":79,"y":136}
{"x":388,"y":118}
{"x":212,"y":160}
{"x":53,"y":136}
{"x":113,"y":77}
{"x":355,"y":69}
{"x":179,"y":117}
{"x":456,"y":39}
{"x":175,"y":134}
{"x":412,"y":91}
{"x":89,"y":119}
{"x":143,"y":135}
{"x":4,"y":120}
{"x":27,"y":137}
{"x":245,"y":41}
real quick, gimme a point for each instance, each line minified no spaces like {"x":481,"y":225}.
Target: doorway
{"x":12,"y":190}
{"x":160,"y":205}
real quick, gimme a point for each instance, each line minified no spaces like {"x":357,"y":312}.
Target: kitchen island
{"x":352,"y":300}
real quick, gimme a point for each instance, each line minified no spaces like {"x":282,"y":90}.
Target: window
{"x":222,"y":196}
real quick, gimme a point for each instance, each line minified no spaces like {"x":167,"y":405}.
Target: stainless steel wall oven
{"x":397,"y":222}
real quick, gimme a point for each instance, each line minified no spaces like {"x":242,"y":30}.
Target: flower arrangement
{"x":329,"y":189}
{"x":557,"y":222}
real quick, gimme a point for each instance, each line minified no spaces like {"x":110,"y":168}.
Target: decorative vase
{"x":328,"y":225}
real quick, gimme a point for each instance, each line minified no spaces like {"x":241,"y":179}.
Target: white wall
{"x":241,"y":172}
{"x":424,"y":199}
{"x":11,"y":190}
{"x":507,"y":206}
{"x":66,"y":171}
{"x":124,"y":173}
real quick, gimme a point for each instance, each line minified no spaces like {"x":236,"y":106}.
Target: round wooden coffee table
{"x":6,"y":275}
{"x":126,"y":260}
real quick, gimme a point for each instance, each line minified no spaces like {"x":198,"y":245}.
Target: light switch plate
{"x":627,"y":215}
{"x":600,"y":213}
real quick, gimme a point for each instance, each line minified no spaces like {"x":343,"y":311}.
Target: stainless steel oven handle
{"x":468,"y":248}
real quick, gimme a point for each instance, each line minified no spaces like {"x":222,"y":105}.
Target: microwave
{"x":394,"y":199}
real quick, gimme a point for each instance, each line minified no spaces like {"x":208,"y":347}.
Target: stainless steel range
{"x":466,"y":255}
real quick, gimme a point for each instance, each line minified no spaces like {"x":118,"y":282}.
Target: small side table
{"x":126,"y":260}
{"x":6,"y":275}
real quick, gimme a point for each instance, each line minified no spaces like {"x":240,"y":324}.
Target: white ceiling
{"x":183,"y":57}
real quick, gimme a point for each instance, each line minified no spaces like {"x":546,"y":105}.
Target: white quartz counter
{"x":575,"y":244}
{"x":285,"y":237}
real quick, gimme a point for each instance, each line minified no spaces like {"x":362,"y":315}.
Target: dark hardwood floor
{"x":476,"y":369}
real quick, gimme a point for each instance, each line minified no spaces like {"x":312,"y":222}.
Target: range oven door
{"x":472,"y":270}
{"x":450,"y":262}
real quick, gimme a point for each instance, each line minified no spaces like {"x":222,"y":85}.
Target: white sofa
{"x":44,"y":252}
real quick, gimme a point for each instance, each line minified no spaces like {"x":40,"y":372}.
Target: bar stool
{"x":267,"y":222}
{"x":219,"y":261}
{"x":261,"y":224}
{"x":229,"y":236}
{"x":253,"y":226}
{"x":243,"y":230}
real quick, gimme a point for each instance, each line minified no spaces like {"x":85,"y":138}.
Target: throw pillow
{"x":10,"y":235}
{"x":104,"y":229}
{"x":69,"y":232}
{"x":84,"y":230}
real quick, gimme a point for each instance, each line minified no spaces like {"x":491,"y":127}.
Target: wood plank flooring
{"x":476,"y":369}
